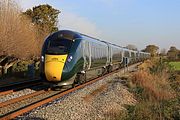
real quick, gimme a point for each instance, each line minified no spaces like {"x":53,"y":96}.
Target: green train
{"x":70,"y":58}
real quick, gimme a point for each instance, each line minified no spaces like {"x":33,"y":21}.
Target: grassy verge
{"x":156,"y":88}
{"x":175,"y":65}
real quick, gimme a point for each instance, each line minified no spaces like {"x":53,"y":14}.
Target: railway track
{"x":10,"y":88}
{"x":18,"y":106}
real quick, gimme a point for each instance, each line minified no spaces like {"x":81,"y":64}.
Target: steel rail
{"x":18,"y":87}
{"x":11,"y":101}
{"x":17,"y":83}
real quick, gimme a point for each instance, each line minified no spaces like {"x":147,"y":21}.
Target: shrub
{"x":157,"y":91}
{"x":21,"y":66}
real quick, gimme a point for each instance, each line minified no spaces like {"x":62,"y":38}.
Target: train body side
{"x":84,"y":54}
{"x":67,"y":56}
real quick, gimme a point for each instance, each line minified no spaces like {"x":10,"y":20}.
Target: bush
{"x":157,"y":91}
{"x":21,"y":66}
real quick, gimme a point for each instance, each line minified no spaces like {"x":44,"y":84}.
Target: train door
{"x":87,"y":55}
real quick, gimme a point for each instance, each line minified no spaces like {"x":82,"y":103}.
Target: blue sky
{"x":123,"y":22}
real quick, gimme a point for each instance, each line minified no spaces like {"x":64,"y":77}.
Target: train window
{"x":98,"y":55}
{"x":116,"y":55}
{"x":132,"y":54}
{"x":58,"y":46}
{"x":126,"y":54}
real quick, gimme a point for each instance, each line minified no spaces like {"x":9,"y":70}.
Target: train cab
{"x":57,"y":58}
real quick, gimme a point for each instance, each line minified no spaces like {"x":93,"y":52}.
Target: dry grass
{"x":146,"y":65}
{"x":157,"y":85}
{"x":156,"y":88}
{"x":18,"y":36}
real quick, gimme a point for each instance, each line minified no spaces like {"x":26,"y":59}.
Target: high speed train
{"x":70,"y":58}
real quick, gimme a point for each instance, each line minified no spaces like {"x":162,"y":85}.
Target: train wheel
{"x":56,"y":88}
{"x":109,"y":69}
{"x":104,"y":71}
{"x":73,"y":85}
{"x":81,"y":78}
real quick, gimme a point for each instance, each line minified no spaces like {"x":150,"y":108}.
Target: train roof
{"x":72,"y":35}
{"x":84,"y":35}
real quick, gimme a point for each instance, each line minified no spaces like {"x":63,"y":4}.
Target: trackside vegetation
{"x":156,"y":88}
{"x":175,"y":65}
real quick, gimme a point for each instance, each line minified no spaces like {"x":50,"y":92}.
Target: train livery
{"x":70,"y":58}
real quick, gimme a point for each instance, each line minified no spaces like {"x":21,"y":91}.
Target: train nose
{"x":54,"y":65}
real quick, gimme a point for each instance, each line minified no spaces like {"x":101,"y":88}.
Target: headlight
{"x":42,"y":58}
{"x":70,"y":58}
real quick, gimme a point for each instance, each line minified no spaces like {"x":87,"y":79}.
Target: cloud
{"x":81,"y":24}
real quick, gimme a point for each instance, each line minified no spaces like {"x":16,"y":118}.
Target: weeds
{"x":156,"y":88}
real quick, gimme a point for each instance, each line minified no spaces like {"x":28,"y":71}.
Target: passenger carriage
{"x":70,"y":58}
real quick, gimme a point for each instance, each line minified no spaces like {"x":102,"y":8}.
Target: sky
{"x":122,"y":22}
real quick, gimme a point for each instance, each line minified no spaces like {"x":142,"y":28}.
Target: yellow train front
{"x":59,"y":61}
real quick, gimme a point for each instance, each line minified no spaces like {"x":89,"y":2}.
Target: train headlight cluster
{"x":42,"y":58}
{"x":70,"y":58}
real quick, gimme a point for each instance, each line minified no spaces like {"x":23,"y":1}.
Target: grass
{"x":156,"y":89}
{"x":175,"y":65}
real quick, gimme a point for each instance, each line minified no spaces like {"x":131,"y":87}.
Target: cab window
{"x":58,"y":46}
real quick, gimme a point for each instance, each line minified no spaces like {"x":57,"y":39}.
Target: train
{"x":69,"y":58}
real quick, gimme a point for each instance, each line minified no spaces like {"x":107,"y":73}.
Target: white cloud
{"x":77,"y":23}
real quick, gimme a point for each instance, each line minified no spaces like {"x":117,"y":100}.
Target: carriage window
{"x":126,"y":54}
{"x":59,"y":46}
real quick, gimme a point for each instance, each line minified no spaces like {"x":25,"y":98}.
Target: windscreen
{"x":58,"y":46}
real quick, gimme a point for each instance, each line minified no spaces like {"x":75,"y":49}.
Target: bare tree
{"x":18,"y":36}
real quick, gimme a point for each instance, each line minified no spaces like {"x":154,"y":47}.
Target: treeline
{"x":22,"y":33}
{"x":172,"y":54}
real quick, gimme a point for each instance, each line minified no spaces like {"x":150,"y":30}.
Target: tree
{"x":173,"y":53}
{"x":44,"y":16}
{"x":17,"y":34}
{"x":131,"y":47}
{"x":152,"y":49}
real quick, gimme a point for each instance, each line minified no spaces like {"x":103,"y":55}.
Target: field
{"x":176,"y":65}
